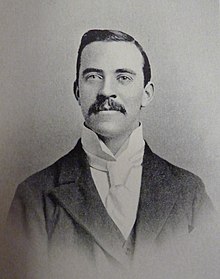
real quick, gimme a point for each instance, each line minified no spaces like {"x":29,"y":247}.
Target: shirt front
{"x":117,"y":177}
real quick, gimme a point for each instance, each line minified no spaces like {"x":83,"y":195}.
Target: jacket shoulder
{"x":191,"y":189}
{"x":188,"y":180}
{"x":46,"y":179}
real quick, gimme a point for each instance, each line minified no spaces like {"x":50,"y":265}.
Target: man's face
{"x":111,"y":87}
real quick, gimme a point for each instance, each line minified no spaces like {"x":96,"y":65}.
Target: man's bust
{"x":110,"y":202}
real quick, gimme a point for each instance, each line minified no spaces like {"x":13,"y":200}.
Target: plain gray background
{"x":39,"y":118}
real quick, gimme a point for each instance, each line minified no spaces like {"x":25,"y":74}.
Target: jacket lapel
{"x":77,"y":194}
{"x":159,"y":192}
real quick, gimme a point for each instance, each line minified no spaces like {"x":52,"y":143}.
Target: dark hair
{"x":97,"y":35}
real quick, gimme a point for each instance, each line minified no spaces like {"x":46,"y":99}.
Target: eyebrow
{"x":118,"y":71}
{"x":90,"y":70}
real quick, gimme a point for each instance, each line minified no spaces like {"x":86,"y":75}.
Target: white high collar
{"x":96,"y":147}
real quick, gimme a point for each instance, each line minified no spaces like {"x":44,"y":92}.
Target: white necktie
{"x":119,"y":196}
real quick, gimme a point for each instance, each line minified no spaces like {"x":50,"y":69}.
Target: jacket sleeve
{"x":203,"y":211}
{"x":25,"y":237}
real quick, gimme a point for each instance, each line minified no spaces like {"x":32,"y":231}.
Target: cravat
{"x":119,"y":196}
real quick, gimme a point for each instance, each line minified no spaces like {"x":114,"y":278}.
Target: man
{"x":108,"y":203}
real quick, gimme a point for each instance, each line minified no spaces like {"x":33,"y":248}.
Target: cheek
{"x":85,"y":105}
{"x":87,"y":97}
{"x":133,"y":101}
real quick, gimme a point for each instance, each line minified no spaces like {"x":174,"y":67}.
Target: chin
{"x":107,"y":129}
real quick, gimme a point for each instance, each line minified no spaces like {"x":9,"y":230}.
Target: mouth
{"x":108,"y":111}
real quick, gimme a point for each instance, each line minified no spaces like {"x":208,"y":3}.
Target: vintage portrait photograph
{"x":109,"y":139}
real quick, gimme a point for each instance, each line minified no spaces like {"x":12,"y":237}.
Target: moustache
{"x":105,"y":104}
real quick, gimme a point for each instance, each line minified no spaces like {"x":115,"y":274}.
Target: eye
{"x":93,"y":77}
{"x":124,"y":79}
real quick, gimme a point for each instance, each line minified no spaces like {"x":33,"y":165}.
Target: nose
{"x":107,"y":88}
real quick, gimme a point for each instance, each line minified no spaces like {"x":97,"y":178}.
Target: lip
{"x":108,"y":111}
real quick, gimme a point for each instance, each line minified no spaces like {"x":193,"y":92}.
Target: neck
{"x":114,"y":144}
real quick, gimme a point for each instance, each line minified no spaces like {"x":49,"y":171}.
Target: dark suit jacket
{"x":57,"y":220}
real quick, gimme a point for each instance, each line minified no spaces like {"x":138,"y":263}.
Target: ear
{"x":76,"y":92}
{"x":147,"y":94}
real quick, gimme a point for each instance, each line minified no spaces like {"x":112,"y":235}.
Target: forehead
{"x":111,"y":56}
